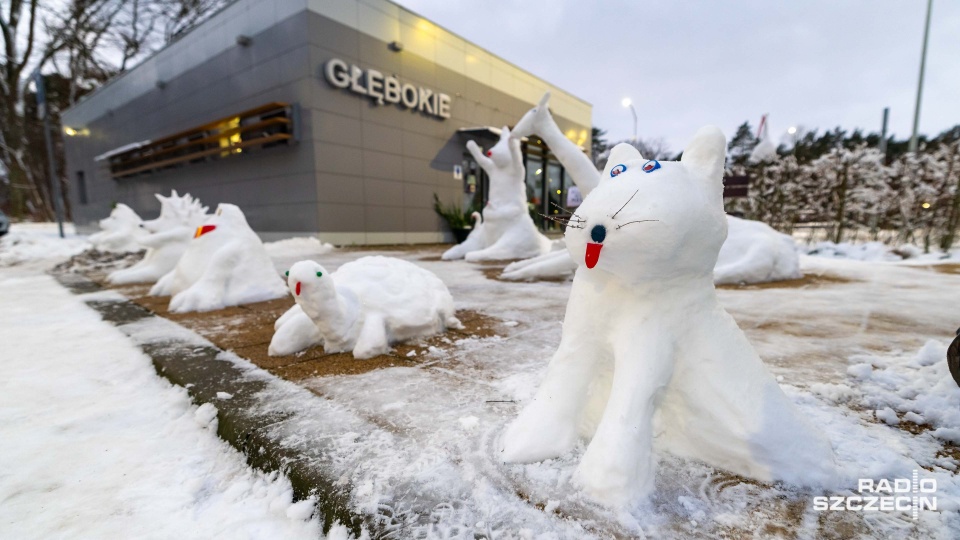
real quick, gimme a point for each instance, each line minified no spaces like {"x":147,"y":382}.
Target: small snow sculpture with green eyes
{"x":363,"y":307}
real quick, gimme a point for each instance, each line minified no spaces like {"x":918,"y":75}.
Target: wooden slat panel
{"x":210,"y":125}
{"x":204,"y":141}
{"x":210,"y":139}
{"x":190,"y":157}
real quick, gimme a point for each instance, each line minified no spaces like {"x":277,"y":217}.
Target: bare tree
{"x":79,"y":44}
{"x":19,"y":24}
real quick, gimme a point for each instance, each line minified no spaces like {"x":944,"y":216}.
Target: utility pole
{"x":923,"y":65}
{"x":44,"y":111}
{"x":883,"y":132}
{"x":629,"y":104}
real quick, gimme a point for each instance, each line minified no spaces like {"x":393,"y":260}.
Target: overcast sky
{"x":686,"y":63}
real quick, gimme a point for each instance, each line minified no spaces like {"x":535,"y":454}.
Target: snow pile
{"x":120,"y":231}
{"x":365,"y":305}
{"x":755,"y":253}
{"x":32,"y":241}
{"x":916,"y":388}
{"x":169,"y":235}
{"x":95,"y":445}
{"x":878,"y":252}
{"x":224,"y":265}
{"x":752,"y":253}
{"x":870,"y":251}
{"x":648,"y":352}
{"x":304,"y":247}
{"x":506,"y":230}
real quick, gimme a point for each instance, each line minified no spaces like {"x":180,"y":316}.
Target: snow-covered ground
{"x":93,"y":444}
{"x":858,"y":346}
{"x":444,"y":417}
{"x":878,"y":251}
{"x":28,"y":242}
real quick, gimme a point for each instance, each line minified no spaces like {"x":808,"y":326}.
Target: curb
{"x":203,"y":373}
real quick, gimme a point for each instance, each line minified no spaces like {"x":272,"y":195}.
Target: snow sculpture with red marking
{"x":224,"y":265}
{"x":167,"y":238}
{"x":120,"y":231}
{"x":647,"y":350}
{"x":364,"y":306}
{"x":506,"y":230}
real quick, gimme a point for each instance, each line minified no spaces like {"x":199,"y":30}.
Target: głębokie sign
{"x":386,"y":89}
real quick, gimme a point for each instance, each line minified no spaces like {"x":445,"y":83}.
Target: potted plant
{"x":460,"y":221}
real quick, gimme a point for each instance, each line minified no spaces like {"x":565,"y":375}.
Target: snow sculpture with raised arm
{"x":538,"y":121}
{"x":765,"y":151}
{"x":753,"y":252}
{"x":367,"y":304}
{"x":120,"y":231}
{"x":647,"y":350}
{"x":167,"y":239}
{"x":224,"y":265}
{"x":506,"y":230}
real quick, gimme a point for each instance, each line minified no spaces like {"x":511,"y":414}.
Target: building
{"x":340,"y":118}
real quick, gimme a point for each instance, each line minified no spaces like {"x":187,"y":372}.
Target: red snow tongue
{"x":298,"y":288}
{"x":598,"y":234}
{"x":204,"y":229}
{"x":593,"y":254}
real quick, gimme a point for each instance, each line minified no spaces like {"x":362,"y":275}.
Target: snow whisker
{"x":638,"y":221}
{"x":614,"y":216}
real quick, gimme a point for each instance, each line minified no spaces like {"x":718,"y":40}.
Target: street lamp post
{"x":923,"y":65}
{"x":629,"y":104}
{"x":44,"y":109}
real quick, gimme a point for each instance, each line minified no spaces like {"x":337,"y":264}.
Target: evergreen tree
{"x":598,"y":145}
{"x":741,"y":145}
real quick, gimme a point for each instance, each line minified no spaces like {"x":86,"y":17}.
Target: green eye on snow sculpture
{"x":319,"y":274}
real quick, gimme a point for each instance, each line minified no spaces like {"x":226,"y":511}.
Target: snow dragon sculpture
{"x":120,"y":231}
{"x":169,"y":235}
{"x":224,"y":265}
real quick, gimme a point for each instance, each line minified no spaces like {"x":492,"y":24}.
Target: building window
{"x":82,"y":187}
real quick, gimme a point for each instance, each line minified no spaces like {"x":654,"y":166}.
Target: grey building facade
{"x":372,"y":106}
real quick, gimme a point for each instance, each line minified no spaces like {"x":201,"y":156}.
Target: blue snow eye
{"x":617,"y":170}
{"x":651,"y":166}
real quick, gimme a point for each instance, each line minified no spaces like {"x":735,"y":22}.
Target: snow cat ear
{"x":504,"y":133}
{"x":706,"y":154}
{"x":622,"y":157}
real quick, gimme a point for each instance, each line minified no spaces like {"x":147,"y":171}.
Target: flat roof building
{"x":340,"y":118}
